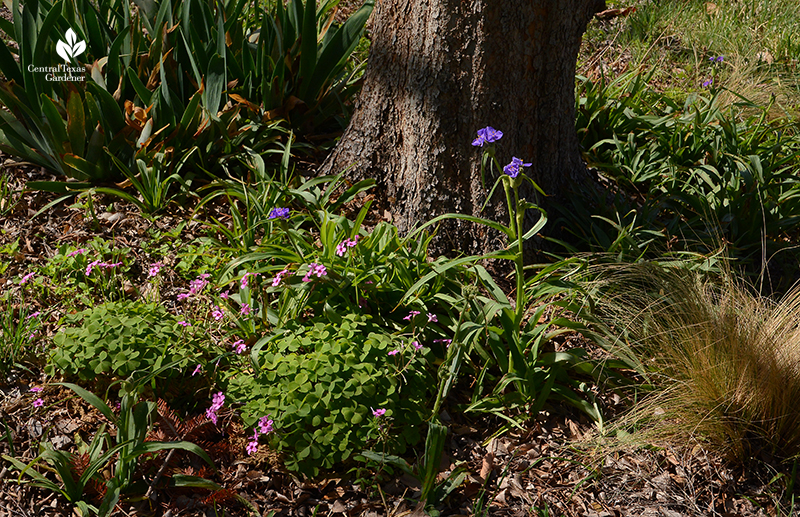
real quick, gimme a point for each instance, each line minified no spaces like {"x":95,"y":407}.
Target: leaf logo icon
{"x":71,"y":48}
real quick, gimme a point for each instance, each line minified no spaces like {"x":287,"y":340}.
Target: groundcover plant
{"x":187,"y":312}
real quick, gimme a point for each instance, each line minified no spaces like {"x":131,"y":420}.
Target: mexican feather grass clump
{"x":723,"y":364}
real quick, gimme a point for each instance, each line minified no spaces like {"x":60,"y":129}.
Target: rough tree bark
{"x":438,"y":71}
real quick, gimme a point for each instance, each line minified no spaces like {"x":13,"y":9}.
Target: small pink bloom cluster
{"x":239,"y":346}
{"x":394,"y":352}
{"x":79,"y":251}
{"x":377,"y":413}
{"x":155,"y":267}
{"x":447,"y":342}
{"x":412,"y":315}
{"x":98,"y":263}
{"x":196,"y":286}
{"x":38,"y":402}
{"x":277,"y":280}
{"x":264,"y":427}
{"x":217,"y":313}
{"x":315,"y":269}
{"x":341,"y":248}
{"x":244,"y":278}
{"x":416,"y":345}
{"x":34,"y":315}
{"x":245,"y":310}
{"x":216,"y":404}
{"x":183,"y":323}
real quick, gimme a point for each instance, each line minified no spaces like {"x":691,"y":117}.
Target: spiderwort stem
{"x":518,"y":259}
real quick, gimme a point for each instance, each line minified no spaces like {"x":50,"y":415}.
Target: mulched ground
{"x":554,"y":467}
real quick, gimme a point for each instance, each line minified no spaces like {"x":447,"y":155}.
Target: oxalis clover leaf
{"x":319,"y":383}
{"x":122,"y":339}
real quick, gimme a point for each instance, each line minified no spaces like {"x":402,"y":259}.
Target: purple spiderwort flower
{"x":708,"y":82}
{"x":513,"y":168}
{"x":279,"y":213}
{"x":487,"y":135}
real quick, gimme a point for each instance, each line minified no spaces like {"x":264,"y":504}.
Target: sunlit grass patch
{"x":724,"y":364}
{"x":758,"y":39}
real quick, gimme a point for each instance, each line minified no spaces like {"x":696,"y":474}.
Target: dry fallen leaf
{"x":487,"y":466}
{"x":765,"y":56}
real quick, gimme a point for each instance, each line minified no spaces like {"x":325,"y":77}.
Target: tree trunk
{"x":438,"y":71}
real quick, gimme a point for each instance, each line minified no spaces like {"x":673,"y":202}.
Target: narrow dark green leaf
{"x":55,"y":121}
{"x":9,"y":66}
{"x":141,"y":90}
{"x":76,"y":124}
{"x":308,"y":47}
{"x":215,"y":85}
{"x":335,"y":52}
{"x":112,"y":117}
{"x":81,"y":169}
{"x":113,"y":65}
